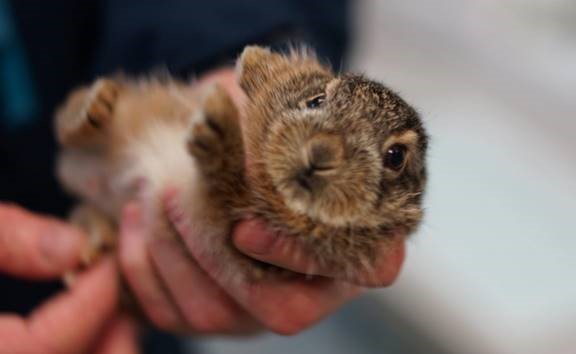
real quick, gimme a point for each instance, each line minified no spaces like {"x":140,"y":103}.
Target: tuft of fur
{"x":315,"y":143}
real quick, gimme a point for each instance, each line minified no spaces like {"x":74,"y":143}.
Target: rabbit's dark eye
{"x":316,"y":101}
{"x":395,"y":157}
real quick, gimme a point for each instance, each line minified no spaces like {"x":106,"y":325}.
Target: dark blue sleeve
{"x":192,"y":36}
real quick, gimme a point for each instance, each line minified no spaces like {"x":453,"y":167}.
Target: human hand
{"x":180,"y":290}
{"x":287,"y":306}
{"x":74,"y":321}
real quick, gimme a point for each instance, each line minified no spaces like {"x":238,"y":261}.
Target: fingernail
{"x":252,"y":236}
{"x":60,"y":245}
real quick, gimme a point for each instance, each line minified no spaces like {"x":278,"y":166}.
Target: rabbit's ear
{"x":256,"y":66}
{"x":83,"y":118}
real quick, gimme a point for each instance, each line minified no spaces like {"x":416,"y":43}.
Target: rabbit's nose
{"x":323,"y":154}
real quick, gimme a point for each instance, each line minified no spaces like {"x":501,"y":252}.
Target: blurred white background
{"x":492,"y":270}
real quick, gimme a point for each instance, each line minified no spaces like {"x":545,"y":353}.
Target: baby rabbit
{"x":335,"y":161}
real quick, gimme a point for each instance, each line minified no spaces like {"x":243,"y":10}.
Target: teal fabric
{"x":18,"y":101}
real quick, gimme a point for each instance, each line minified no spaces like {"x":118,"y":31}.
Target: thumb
{"x":36,"y":246}
{"x":252,"y":238}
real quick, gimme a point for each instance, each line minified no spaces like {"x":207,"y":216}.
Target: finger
{"x":36,"y":246}
{"x":252,"y":238}
{"x":255,"y":240}
{"x":15,"y":336}
{"x":286,"y":306}
{"x":290,"y":306}
{"x":140,"y":274}
{"x":206,"y":308}
{"x":70,"y":322}
{"x":120,"y":337}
